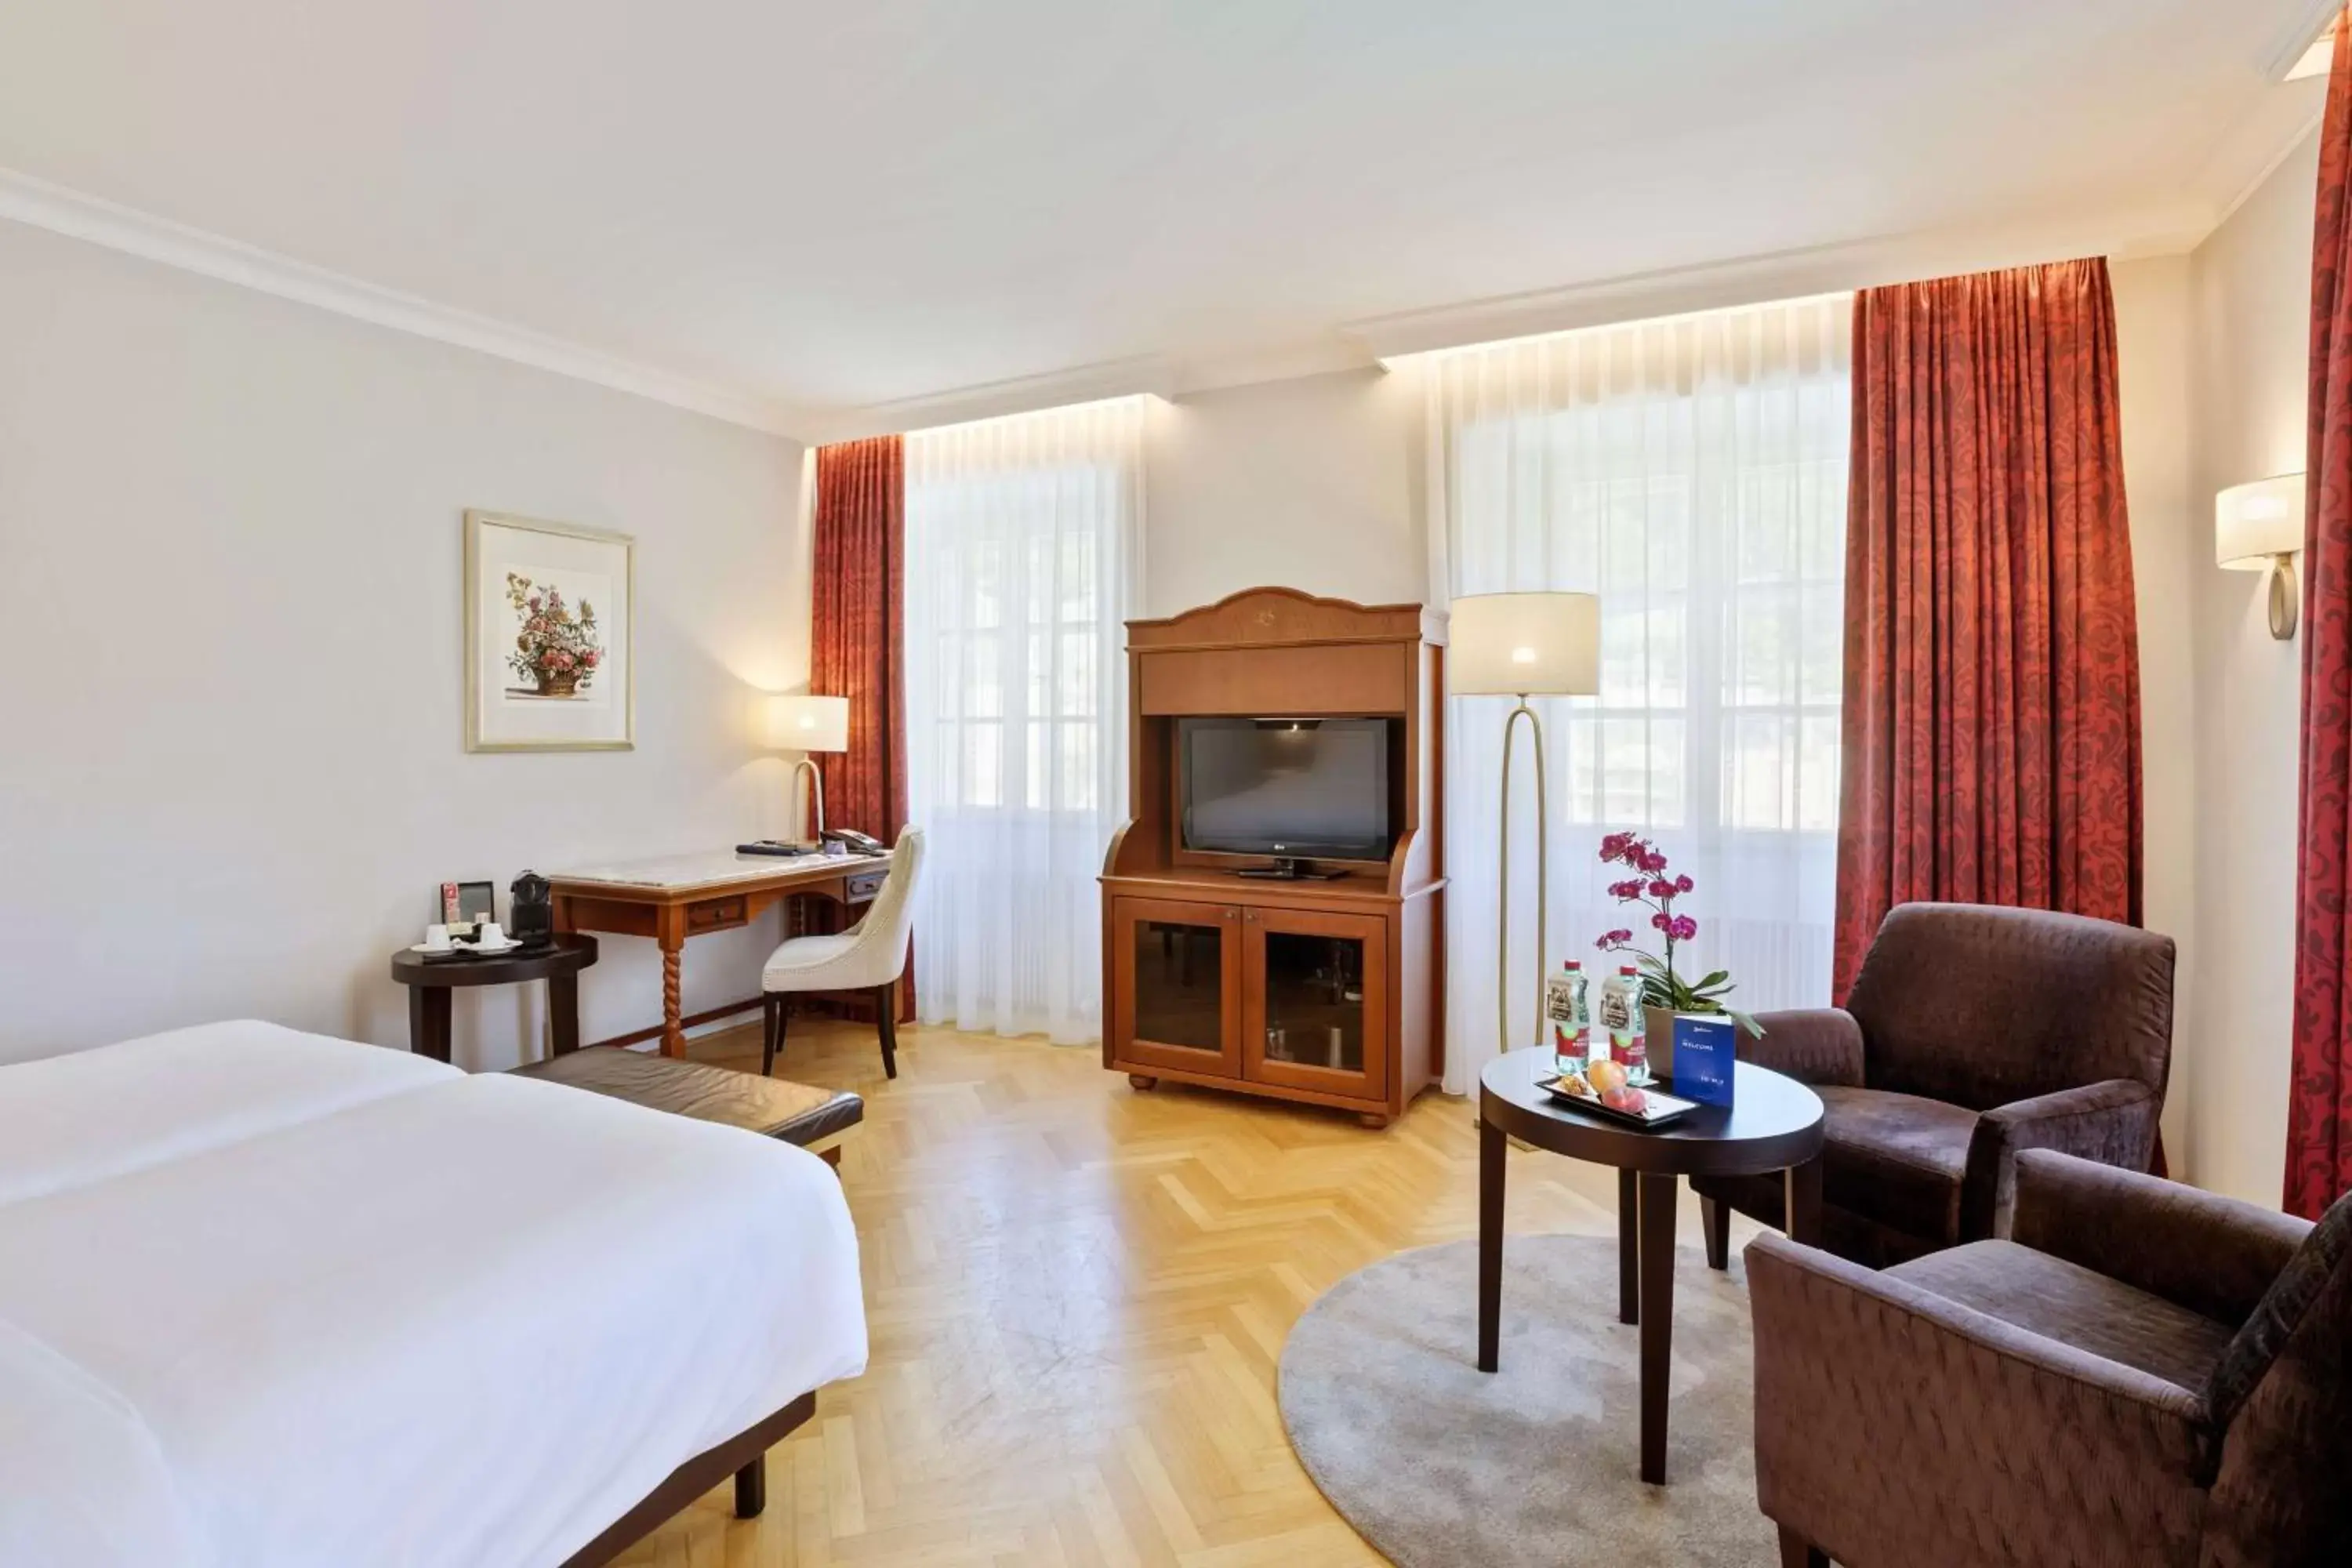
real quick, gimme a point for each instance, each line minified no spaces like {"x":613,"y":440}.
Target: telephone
{"x":858,"y":843}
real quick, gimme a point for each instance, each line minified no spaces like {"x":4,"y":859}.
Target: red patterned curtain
{"x":1991,"y":714}
{"x":857,"y":636}
{"x":2319,"y":1104}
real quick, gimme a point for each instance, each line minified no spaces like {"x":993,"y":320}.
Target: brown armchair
{"x":2146,"y":1376}
{"x":1972,"y":1033}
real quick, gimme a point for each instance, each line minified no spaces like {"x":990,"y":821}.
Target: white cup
{"x":436,"y":939}
{"x":487,"y":934}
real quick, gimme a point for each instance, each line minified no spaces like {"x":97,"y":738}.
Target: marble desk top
{"x":711,"y":868}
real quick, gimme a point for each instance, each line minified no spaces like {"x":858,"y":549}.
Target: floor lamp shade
{"x":1513,"y":645}
{"x":1522,"y":645}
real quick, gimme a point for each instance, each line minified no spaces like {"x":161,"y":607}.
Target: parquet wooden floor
{"x":1077,"y":1296}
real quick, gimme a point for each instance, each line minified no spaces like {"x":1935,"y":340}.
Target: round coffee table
{"x":429,"y":981}
{"x":1774,"y":1124}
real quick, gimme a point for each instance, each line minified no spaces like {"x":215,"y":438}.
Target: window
{"x":1693,"y":473}
{"x":1023,"y":541}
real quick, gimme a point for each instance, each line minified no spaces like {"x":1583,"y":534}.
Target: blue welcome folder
{"x":1704,"y":1047}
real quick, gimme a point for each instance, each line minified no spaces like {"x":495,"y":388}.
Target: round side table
{"x":1774,"y":1124}
{"x":429,"y":982}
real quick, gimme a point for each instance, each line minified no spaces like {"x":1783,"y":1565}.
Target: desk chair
{"x":868,"y":956}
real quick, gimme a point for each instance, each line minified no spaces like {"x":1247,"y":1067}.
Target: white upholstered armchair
{"x":868,"y":956}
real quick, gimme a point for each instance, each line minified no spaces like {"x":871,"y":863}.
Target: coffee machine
{"x":531,"y":913}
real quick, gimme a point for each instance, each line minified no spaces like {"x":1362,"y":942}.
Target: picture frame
{"x":550,"y":643}
{"x":464,"y":905}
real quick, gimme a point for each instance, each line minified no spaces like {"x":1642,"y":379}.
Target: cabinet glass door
{"x":1319,"y":1017}
{"x":1178,"y":985}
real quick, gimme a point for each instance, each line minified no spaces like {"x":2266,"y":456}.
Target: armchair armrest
{"x":1811,"y":1045}
{"x":2214,"y":1255}
{"x":2113,"y":1122}
{"x":1895,"y":1425}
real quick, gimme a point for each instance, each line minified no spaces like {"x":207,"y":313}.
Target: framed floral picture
{"x":550,"y":660}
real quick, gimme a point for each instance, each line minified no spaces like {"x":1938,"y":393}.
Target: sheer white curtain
{"x":1024,"y":540}
{"x":1693,"y":472}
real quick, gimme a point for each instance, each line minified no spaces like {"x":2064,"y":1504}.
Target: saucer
{"x":477,"y":950}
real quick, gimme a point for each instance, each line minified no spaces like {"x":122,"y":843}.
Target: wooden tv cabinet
{"x":1331,"y":993}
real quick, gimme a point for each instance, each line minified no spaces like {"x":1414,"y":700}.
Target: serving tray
{"x":1658,"y":1109}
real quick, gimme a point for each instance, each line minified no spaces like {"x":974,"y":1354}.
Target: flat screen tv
{"x":1297,"y":788}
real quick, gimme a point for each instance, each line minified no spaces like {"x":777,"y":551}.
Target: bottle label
{"x":1564,"y":1010}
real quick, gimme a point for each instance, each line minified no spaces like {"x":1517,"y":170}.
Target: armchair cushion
{"x":2065,"y":1301}
{"x":1895,"y":1160}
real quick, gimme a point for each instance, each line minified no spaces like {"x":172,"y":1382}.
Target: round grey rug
{"x":1442,"y":1466}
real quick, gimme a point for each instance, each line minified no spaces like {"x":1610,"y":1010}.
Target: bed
{"x":268,"y":1299}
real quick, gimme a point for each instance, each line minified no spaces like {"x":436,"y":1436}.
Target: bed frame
{"x":745,"y":1455}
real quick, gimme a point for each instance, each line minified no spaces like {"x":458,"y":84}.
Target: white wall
{"x":1313,"y":483}
{"x":2251,"y":293}
{"x":230,"y":654}
{"x":2152,"y":333}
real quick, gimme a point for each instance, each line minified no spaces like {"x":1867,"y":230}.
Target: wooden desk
{"x":681,"y":896}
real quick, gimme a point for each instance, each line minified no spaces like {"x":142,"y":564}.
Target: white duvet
{"x":269,"y":1298}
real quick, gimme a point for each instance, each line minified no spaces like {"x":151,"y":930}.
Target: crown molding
{"x":995,"y":399}
{"x":2295,"y":35}
{"x":2163,"y":229}
{"x":1327,"y":355}
{"x":2249,"y":183}
{"x":93,"y":219}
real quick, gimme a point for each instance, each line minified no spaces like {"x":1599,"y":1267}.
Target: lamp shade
{"x":2254,"y":524}
{"x":1509,"y":644}
{"x":808,"y":723}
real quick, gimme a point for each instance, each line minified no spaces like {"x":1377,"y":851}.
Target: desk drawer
{"x":717,"y":914}
{"x":860,"y":887}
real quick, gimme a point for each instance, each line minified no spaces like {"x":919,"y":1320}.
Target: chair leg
{"x":1715,"y":1220}
{"x":1796,"y":1552}
{"x":772,"y":1032}
{"x":885,"y":1010}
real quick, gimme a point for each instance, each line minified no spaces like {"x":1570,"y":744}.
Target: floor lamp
{"x":807,"y":725}
{"x":1522,"y":646}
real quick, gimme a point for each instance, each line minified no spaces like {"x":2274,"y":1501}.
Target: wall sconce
{"x":2258,"y":528}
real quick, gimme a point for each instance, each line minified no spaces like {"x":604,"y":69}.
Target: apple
{"x":1629,"y":1100}
{"x":1605,"y":1077}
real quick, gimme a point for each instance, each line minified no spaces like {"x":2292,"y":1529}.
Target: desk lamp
{"x":809,"y":725}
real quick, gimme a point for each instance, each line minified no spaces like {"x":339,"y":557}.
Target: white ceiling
{"x":824,"y":206}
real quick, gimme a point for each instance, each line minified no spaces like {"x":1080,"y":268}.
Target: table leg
{"x":428,"y":1021}
{"x":563,"y":1013}
{"x":752,"y":1489}
{"x":1803,"y":1198}
{"x":1715,"y":1221}
{"x":1629,"y":1224}
{"x":1492,"y":1149}
{"x":1658,"y":1193}
{"x":673,"y":1037}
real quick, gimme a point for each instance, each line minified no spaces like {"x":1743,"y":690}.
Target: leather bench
{"x":816,"y":1118}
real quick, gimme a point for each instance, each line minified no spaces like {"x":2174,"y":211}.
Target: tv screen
{"x":1293,"y":787}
